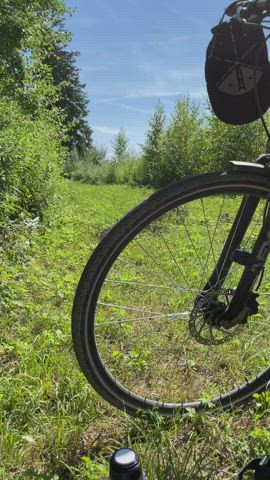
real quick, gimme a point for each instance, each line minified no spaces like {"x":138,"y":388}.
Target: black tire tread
{"x":160,"y":200}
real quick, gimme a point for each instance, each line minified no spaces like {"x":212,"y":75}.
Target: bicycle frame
{"x":254,"y":261}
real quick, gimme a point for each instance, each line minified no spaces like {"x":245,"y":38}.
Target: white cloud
{"x":106,"y":130}
{"x":140,"y":93}
{"x":134,"y":109}
{"x":162,"y":73}
{"x":149,"y":80}
{"x":149,"y":93}
{"x":105,"y":99}
{"x":168,"y":43}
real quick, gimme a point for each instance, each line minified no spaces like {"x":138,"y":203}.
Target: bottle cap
{"x":125,"y":465}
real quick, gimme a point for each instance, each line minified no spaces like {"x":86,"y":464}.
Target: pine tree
{"x":120,"y":146}
{"x":73,"y":98}
{"x":152,"y":149}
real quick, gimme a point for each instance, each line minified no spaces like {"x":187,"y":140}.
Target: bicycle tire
{"x":161,"y":203}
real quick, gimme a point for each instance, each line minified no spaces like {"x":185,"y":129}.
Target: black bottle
{"x":125,"y":465}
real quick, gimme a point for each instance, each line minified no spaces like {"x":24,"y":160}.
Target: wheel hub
{"x":205,"y":324}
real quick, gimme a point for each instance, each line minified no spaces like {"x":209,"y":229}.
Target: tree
{"x":32,"y":131}
{"x":95,"y":155}
{"x":230,"y":142}
{"x":120,"y":146}
{"x":72,"y":100}
{"x":184,"y":143}
{"x":152,"y":149}
{"x":29,"y":30}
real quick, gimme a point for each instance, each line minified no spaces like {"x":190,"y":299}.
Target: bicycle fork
{"x":243,"y":302}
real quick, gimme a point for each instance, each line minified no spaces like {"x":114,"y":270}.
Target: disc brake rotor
{"x":203,"y":324}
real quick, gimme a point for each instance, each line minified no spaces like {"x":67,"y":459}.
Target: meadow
{"x":53,"y":424}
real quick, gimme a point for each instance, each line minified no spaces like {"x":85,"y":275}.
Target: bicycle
{"x":166,"y":315}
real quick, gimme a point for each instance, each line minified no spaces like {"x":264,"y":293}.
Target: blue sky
{"x":136,"y":53}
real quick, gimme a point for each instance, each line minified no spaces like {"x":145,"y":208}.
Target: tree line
{"x":191,"y":141}
{"x":44,"y":132}
{"x":43,"y":107}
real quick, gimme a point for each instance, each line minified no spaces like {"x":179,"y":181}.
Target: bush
{"x":176,"y":151}
{"x":130,"y":171}
{"x":193,"y":142}
{"x":95,"y":174}
{"x":233,"y":142}
{"x":31,"y":159}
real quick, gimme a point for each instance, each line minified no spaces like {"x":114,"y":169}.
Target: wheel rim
{"x":143,"y":309}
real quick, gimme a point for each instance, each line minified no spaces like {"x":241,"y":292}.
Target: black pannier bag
{"x":236,"y":61}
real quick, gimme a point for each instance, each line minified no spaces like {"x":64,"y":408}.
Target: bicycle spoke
{"x":172,"y":279}
{"x":149,"y":285}
{"x":152,"y":294}
{"x":191,"y":241}
{"x":211,"y":239}
{"x":122,"y":307}
{"x":176,"y":263}
{"x":170,"y":316}
{"x":151,"y":272}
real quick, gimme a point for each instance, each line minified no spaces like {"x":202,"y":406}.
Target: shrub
{"x":95,"y":174}
{"x":229,"y":142}
{"x":31,"y":159}
{"x":183,"y":144}
{"x":130,"y":171}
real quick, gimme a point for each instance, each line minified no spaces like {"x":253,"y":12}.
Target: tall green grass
{"x":52,"y":423}
{"x":31,"y":159}
{"x":129,"y":172}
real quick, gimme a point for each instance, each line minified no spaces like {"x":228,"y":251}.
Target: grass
{"x":174,"y":252}
{"x":129,"y":172}
{"x":52,"y":424}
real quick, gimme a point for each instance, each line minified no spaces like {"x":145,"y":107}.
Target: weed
{"x":52,"y":423}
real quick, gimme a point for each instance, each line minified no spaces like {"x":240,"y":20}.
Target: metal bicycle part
{"x":203,"y":323}
{"x":137,"y":297}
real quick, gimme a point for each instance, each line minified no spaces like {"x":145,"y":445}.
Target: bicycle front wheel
{"x":138,"y":336}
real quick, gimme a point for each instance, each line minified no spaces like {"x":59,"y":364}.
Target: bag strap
{"x":261,"y":467}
